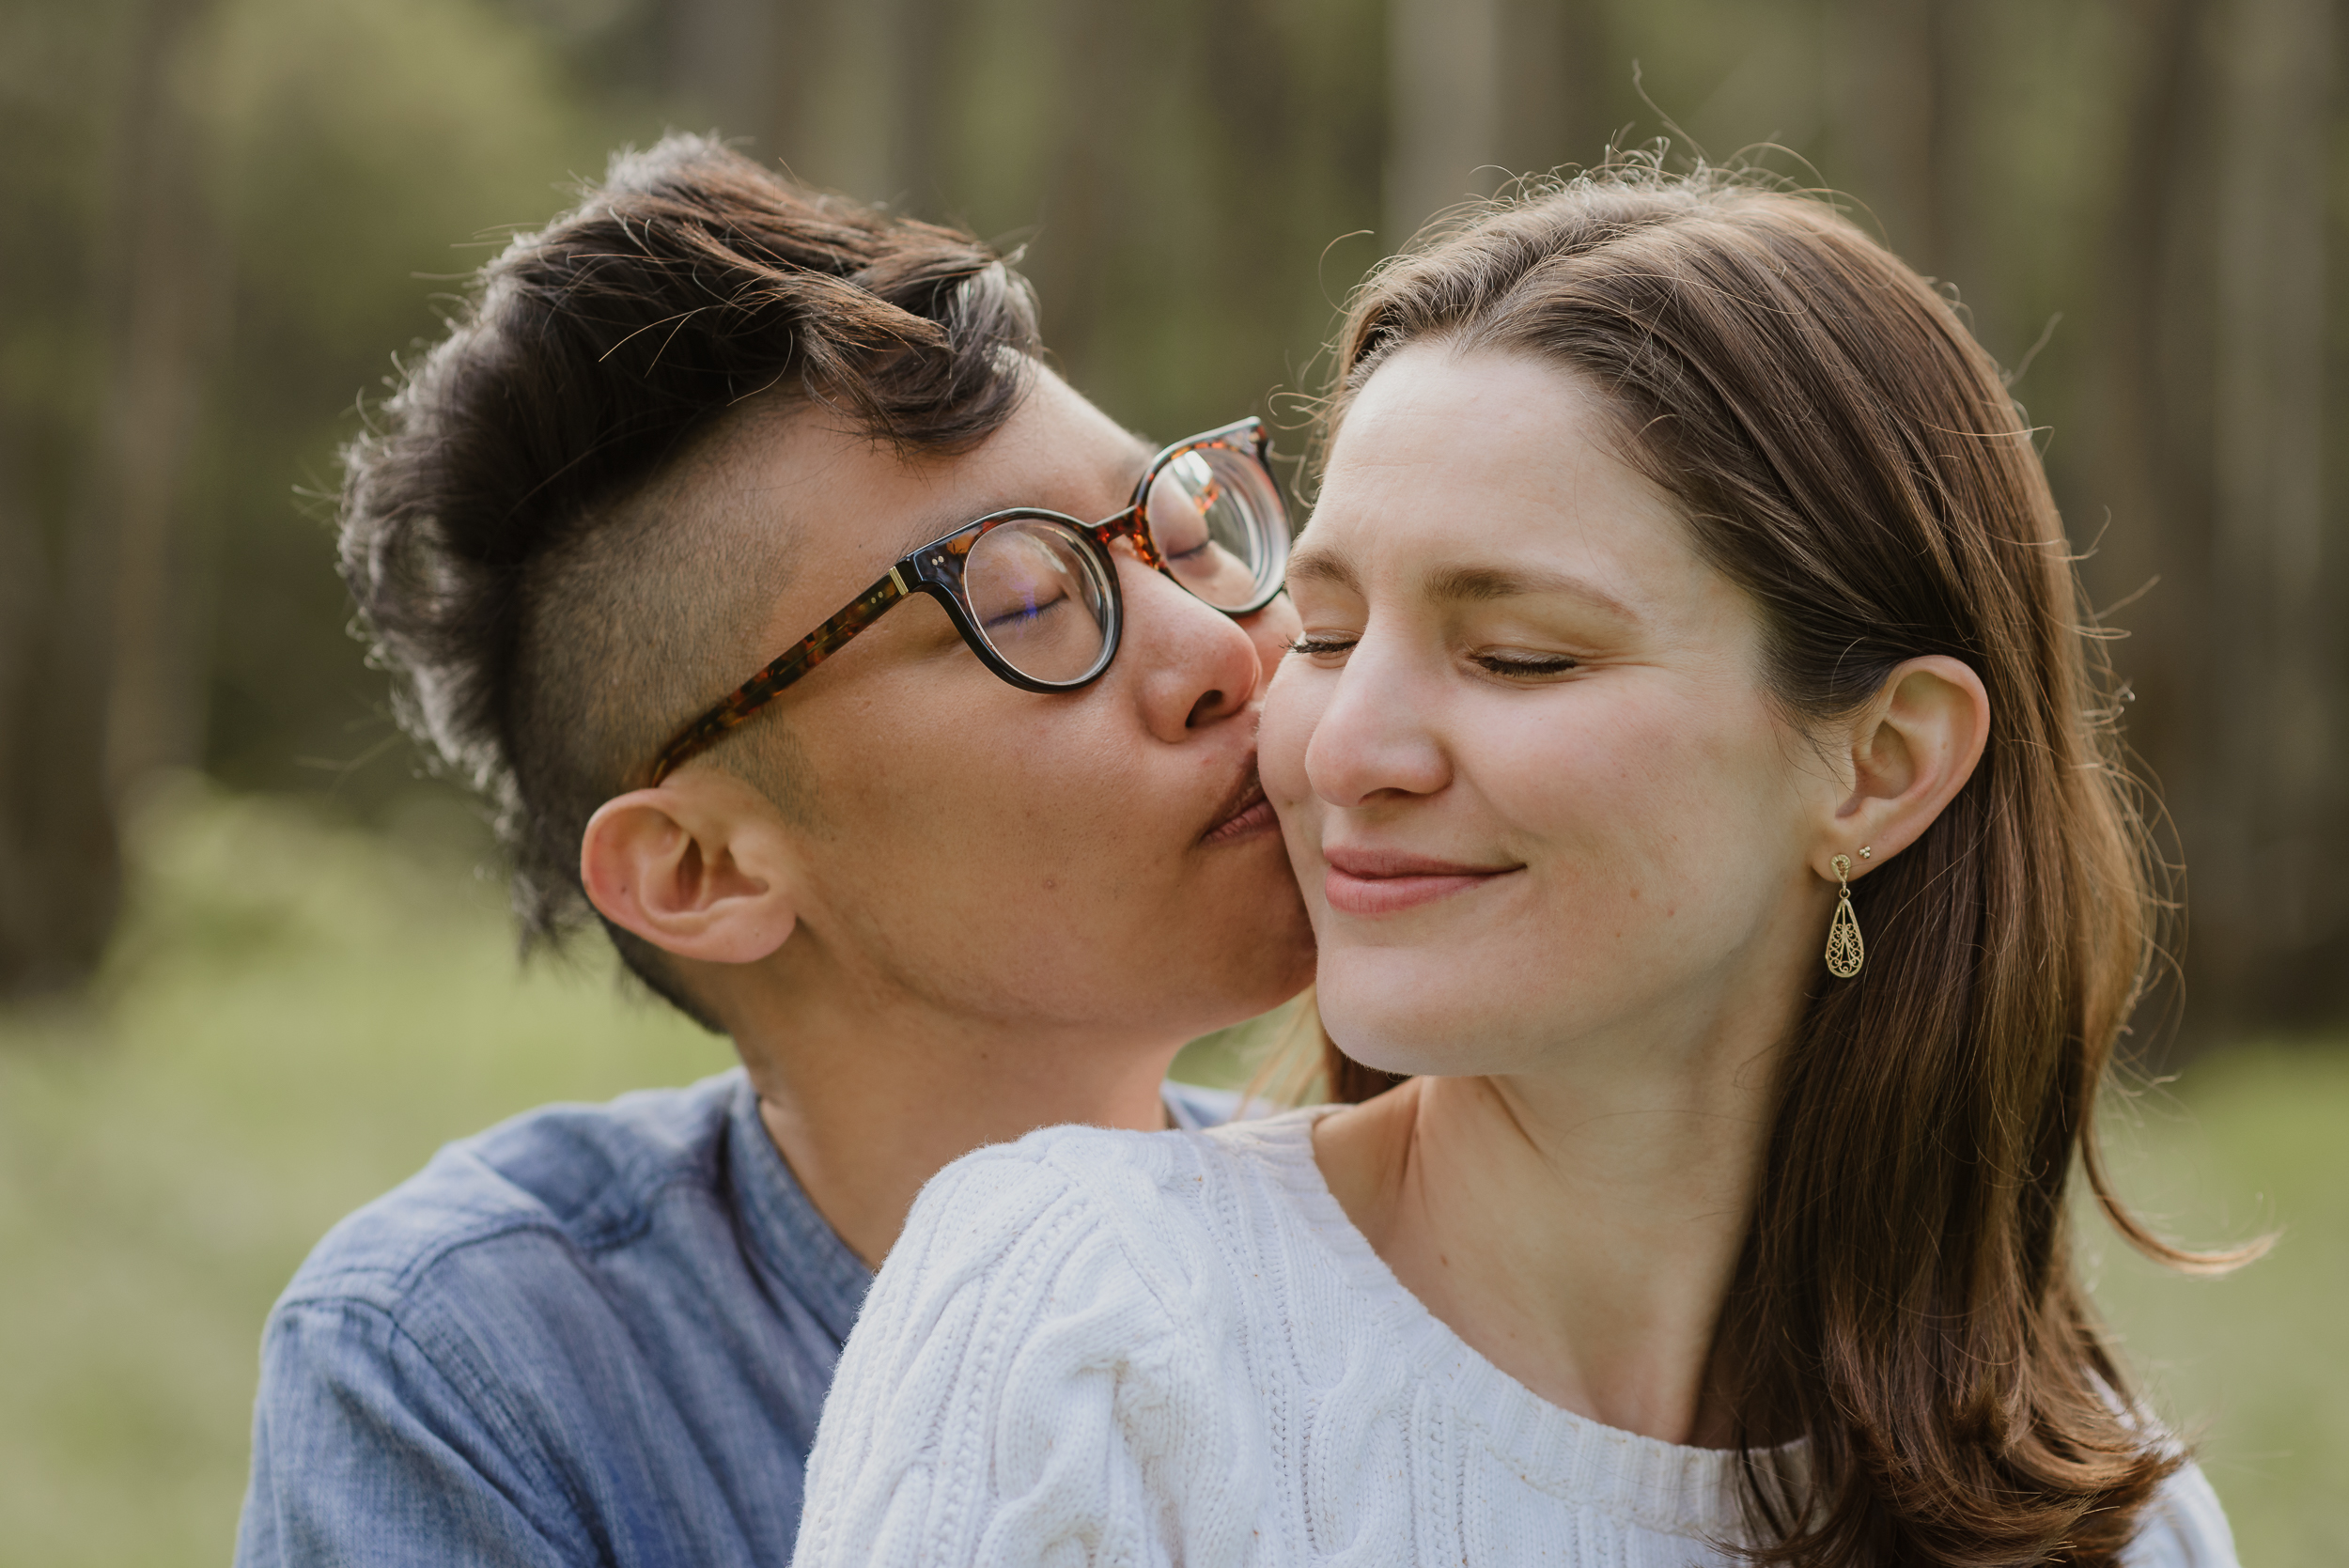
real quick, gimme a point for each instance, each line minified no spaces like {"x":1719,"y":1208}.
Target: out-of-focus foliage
{"x":295,"y":1016}
{"x":298,"y":1011}
{"x":2250,"y":1365}
{"x":235,"y":213}
{"x":368,"y":154}
{"x":2137,"y":201}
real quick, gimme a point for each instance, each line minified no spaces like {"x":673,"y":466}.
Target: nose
{"x":1191,"y":664}
{"x":1370,"y":743}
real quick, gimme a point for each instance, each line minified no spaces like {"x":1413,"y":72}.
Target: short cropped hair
{"x":518,"y":524}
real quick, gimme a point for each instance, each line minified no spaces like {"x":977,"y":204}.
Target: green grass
{"x":2256,"y":1364}
{"x":297,"y":1014}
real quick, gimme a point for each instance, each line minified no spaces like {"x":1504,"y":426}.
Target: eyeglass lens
{"x":1039,"y":599}
{"x":1213,"y":514}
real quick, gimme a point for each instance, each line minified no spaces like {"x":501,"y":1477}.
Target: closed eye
{"x":1024,"y":613}
{"x":1524,"y":665}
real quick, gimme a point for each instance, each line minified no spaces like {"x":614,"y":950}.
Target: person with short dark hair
{"x":893,"y":711}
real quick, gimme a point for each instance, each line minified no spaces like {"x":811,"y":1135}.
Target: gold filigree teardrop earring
{"x":1845,"y":953}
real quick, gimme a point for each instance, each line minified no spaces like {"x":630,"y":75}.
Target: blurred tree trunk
{"x":1557,"y":81}
{"x":920,"y":91}
{"x":2146,"y":420}
{"x":2205,"y":425}
{"x":733,"y":60}
{"x":26,"y":616}
{"x":1481,"y":91}
{"x":170,"y":317}
{"x":116,"y":682}
{"x":1444,"y":78}
{"x":1902,"y":110}
{"x":851,"y":94}
{"x":2267,"y":902}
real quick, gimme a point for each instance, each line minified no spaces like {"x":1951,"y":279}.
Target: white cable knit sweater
{"x":1098,"y":1347}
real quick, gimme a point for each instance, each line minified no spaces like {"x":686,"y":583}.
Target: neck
{"x":868,"y":1102}
{"x":1578,"y":1227}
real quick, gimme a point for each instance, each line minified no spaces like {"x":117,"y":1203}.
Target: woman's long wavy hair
{"x":1843,"y":450}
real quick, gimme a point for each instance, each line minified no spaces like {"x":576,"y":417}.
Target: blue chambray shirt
{"x":593,"y":1334}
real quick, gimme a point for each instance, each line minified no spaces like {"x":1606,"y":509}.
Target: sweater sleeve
{"x":1023,"y":1389}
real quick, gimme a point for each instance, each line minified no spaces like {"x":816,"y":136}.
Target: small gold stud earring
{"x":1845,"y":953}
{"x":1863,"y":851}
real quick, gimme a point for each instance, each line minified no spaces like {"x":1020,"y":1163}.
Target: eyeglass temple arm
{"x":795,"y":661}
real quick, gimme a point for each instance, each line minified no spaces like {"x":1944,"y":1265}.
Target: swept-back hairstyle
{"x":1841,"y":449}
{"x":545,"y":627}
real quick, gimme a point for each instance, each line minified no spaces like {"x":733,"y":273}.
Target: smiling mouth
{"x":1385,"y":882}
{"x":1244,"y":815}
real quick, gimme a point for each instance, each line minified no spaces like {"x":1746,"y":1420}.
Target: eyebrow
{"x":1309,"y":566}
{"x":1477,"y":584}
{"x":945,"y":519}
{"x":1465,"y":583}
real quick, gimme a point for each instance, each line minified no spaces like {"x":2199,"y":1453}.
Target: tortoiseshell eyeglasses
{"x":1034,"y":593}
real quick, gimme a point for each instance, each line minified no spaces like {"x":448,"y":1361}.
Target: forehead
{"x":803,"y":474}
{"x":1486,"y":454}
{"x":793,"y":510}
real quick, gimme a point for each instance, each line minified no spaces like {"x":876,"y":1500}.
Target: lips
{"x":1244,"y":813}
{"x":1387,"y":881}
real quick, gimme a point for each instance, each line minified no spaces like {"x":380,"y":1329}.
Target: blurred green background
{"x":250,"y":970}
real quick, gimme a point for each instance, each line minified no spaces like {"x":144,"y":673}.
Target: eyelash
{"x":1318,"y":647}
{"x":1527,"y":664}
{"x":1313,"y":646}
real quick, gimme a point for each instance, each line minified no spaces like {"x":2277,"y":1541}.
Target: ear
{"x":1913,"y":750}
{"x":698,"y":866}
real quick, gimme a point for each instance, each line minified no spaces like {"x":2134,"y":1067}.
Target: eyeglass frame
{"x":935,"y":569}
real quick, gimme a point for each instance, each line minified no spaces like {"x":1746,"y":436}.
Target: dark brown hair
{"x":1843,"y":450}
{"x":514,"y":529}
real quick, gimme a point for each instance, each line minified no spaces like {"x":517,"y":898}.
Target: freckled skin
{"x":1614,"y":746}
{"x":1567,"y":865}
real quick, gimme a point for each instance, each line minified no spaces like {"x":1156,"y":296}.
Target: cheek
{"x":1293,"y":704}
{"x":1656,"y":831}
{"x":1656,"y":791}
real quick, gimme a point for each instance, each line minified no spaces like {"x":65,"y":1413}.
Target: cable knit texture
{"x":1097,"y":1347}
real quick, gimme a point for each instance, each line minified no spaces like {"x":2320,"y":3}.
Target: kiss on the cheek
{"x":1649,"y":794}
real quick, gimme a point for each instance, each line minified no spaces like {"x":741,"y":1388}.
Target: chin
{"x":1260,"y":966}
{"x":1390,"y":1017}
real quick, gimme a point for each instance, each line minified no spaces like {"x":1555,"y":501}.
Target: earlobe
{"x":696,"y":866}
{"x":1919,"y":743}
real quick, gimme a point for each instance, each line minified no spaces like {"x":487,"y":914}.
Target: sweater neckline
{"x":1669,"y":1487}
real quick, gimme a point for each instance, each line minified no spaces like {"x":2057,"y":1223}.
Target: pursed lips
{"x":1245,"y":812}
{"x":1385,"y":882}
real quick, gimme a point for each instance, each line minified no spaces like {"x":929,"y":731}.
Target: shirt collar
{"x":795,"y":1243}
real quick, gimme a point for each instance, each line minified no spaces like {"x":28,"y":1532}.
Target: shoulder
{"x":464,"y":1355}
{"x":1050,"y":1194}
{"x":1071,"y":1233}
{"x":560,"y":1182}
{"x":1065,"y":1330}
{"x":2183,"y":1527}
{"x":1144,"y":1192}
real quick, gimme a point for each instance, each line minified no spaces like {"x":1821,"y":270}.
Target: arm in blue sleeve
{"x":367,"y":1453}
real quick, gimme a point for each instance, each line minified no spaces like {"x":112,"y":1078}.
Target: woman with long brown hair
{"x":1705,"y":798}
